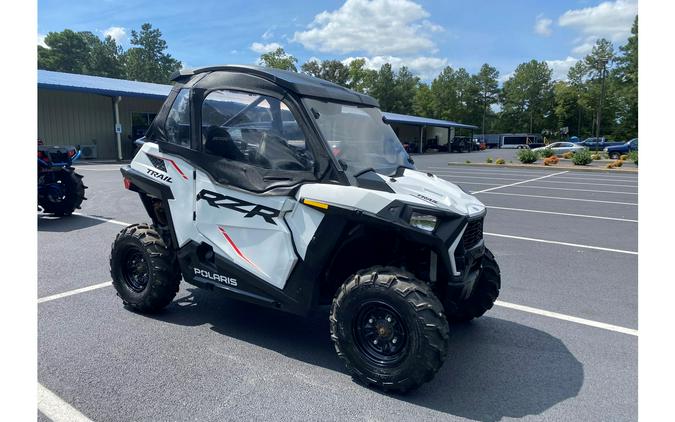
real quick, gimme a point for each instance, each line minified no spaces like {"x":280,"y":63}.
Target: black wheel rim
{"x":380,"y":334}
{"x":135,"y":270}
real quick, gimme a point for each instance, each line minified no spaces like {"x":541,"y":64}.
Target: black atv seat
{"x":219,"y":142}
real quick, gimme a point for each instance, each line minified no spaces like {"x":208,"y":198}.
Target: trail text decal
{"x":160,"y":176}
{"x":217,"y":200}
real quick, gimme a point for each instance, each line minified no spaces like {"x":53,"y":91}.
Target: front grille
{"x":473,"y":233}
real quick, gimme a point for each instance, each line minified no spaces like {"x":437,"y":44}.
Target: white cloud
{"x":542,"y":26}
{"x":268,"y":34}
{"x":610,"y":19}
{"x":376,"y":27}
{"x":561,"y":67}
{"x":117,"y":33}
{"x":41,"y":40}
{"x":264,"y":48}
{"x":427,"y":68}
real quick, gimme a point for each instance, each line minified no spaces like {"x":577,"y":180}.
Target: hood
{"x":436,"y":192}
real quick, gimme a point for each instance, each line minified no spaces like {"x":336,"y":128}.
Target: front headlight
{"x":423,"y":221}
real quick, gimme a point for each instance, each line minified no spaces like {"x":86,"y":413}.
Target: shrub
{"x":489,"y":160}
{"x":623,"y":157}
{"x":633,"y":156}
{"x":552,"y":160}
{"x":610,"y":165}
{"x":568,"y":155}
{"x":614,"y":164}
{"x":596,"y":157}
{"x":618,"y":163}
{"x":500,"y":161}
{"x":527,"y":156}
{"x":547,"y":152}
{"x":582,"y":158}
{"x":468,"y":161}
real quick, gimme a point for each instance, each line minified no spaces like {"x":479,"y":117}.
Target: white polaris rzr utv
{"x":291,"y":192}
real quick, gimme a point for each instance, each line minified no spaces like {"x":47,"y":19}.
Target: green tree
{"x":383,"y":88}
{"x":279,"y":59}
{"x":444,"y":93}
{"x":106,"y":58}
{"x":423,"y":103}
{"x":147,"y":61}
{"x":81,"y":52}
{"x":487,"y":81}
{"x":67,"y":52}
{"x":330,"y":70}
{"x":527,"y":98}
{"x":627,"y":80}
{"x":361,"y":79}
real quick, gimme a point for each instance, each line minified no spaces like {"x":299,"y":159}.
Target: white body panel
{"x":261,"y":233}
{"x":181,"y":183}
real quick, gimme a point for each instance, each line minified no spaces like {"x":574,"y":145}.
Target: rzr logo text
{"x":221,"y":201}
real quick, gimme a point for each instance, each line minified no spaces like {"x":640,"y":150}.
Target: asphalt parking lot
{"x":560,"y":345}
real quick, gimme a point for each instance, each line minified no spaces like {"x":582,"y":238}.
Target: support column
{"x":421,"y":139}
{"x":118,"y":135}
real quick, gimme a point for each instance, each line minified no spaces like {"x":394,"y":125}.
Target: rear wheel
{"x":143,"y":269}
{"x":614,"y":155}
{"x":64,"y":194}
{"x":483,"y":295}
{"x":389,"y":329}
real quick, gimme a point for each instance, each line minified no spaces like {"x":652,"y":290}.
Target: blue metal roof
{"x":423,"y":121}
{"x":114,"y":87}
{"x":99,"y":85}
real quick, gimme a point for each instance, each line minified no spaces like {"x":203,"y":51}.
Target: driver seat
{"x":219,"y":142}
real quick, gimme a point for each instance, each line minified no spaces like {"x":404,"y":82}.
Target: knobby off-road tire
{"x":483,"y":296}
{"x":74,"y":195}
{"x":365,"y":302}
{"x":143,"y":270}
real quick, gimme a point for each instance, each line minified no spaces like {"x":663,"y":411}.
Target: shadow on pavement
{"x":47,"y":223}
{"x":495,"y":368}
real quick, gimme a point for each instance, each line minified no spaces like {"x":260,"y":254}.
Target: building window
{"x":178,"y":120}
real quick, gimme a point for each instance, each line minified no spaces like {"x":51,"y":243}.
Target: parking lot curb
{"x":540,"y":167}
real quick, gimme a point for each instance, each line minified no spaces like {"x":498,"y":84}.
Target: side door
{"x":250,"y":132}
{"x":555,"y":147}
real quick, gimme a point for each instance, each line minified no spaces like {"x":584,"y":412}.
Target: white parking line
{"x":54,"y":399}
{"x":557,"y":198}
{"x":452,"y":179}
{"x":53,"y":407}
{"x":105,"y":220}
{"x":567,"y":177}
{"x":570,"y":318}
{"x":555,"y":188}
{"x":555,"y":242}
{"x":74,"y":292}
{"x":563,"y":213}
{"x":521,"y":182}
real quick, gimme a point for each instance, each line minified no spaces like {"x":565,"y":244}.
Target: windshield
{"x":358,"y":137}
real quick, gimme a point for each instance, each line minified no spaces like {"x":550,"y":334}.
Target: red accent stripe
{"x":173,"y":163}
{"x":236,"y":249}
{"x":176,"y":167}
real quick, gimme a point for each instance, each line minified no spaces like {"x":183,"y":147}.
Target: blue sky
{"x":421,"y":34}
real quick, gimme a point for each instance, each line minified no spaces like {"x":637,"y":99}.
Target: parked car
{"x":559,"y":148}
{"x":598,"y":144}
{"x":616,"y":151}
{"x":461,"y":144}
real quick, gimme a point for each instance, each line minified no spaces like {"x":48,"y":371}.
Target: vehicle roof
{"x":298,"y":83}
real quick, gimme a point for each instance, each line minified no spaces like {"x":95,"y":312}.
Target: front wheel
{"x":143,"y":269}
{"x":389,"y":329}
{"x":483,"y":294}
{"x":614,"y":155}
